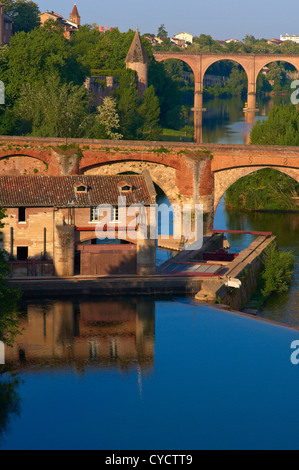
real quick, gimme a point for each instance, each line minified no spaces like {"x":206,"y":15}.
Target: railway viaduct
{"x":199,"y":62}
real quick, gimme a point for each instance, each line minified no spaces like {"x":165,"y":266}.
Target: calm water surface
{"x":224,"y":120}
{"x":147,"y":373}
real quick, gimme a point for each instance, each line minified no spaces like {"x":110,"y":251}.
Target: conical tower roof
{"x":137,"y":52}
{"x":75,"y":11}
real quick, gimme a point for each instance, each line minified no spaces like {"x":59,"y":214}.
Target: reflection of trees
{"x":9,"y":402}
{"x":285,"y":226}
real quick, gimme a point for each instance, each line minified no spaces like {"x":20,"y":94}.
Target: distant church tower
{"x":137,"y":60}
{"x":74,"y":16}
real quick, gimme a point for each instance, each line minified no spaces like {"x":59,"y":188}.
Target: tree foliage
{"x":24,"y":13}
{"x":149,"y":113}
{"x":280,"y":128}
{"x":106,"y":125}
{"x":278,"y":270}
{"x":266,"y":189}
{"x":162,"y":32}
{"x":31,"y":57}
{"x":55,"y":109}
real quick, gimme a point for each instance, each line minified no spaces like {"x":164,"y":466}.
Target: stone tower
{"x":137,"y":60}
{"x":74,"y":16}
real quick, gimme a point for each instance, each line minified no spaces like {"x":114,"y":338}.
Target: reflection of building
{"x":5,"y":26}
{"x":69,"y":26}
{"x":102,"y":333}
{"x":49,"y":217}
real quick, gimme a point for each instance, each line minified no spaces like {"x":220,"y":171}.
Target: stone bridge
{"x":199,"y":62}
{"x":187,"y":173}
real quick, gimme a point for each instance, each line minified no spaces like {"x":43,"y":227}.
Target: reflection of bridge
{"x":187,"y":173}
{"x":200,"y":62}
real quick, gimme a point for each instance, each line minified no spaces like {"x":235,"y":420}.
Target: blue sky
{"x":222,"y":19}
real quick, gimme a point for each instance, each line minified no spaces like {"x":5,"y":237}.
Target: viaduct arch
{"x":201,"y":61}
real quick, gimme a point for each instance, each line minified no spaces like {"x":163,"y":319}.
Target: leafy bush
{"x":278,"y":270}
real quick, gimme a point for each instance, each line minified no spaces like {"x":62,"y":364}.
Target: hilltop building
{"x":6,"y":24}
{"x":69,"y":26}
{"x":184,"y":37}
{"x":288,"y":37}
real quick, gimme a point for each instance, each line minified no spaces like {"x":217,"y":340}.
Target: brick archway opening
{"x":226,"y":178}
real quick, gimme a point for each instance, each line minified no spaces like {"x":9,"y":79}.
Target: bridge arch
{"x":22,"y":164}
{"x":220,"y":58}
{"x":262,"y":62}
{"x":163,"y":176}
{"x":226,"y":178}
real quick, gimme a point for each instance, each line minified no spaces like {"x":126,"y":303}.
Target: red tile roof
{"x":60,"y":191}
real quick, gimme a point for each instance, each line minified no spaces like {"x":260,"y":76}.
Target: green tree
{"x":162,"y":33}
{"x":280,"y":128}
{"x":106,"y":124}
{"x":55,"y":109}
{"x":127,"y":104}
{"x":168,"y":92}
{"x":149,"y":113}
{"x":24,"y":13}
{"x":33,"y":56}
{"x":278,"y":270}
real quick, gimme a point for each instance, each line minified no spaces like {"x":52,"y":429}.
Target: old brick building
{"x":69,"y":26}
{"x":51,"y":224}
{"x":6,"y":25}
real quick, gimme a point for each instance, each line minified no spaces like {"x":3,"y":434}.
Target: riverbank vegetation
{"x":275,"y":277}
{"x":278,"y":271}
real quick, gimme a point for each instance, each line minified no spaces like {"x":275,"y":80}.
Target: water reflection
{"x":224,"y":121}
{"x":10,"y":402}
{"x":115,"y":334}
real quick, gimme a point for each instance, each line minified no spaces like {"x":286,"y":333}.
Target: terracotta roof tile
{"x":60,"y":191}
